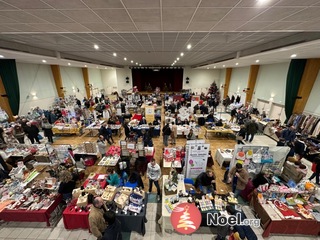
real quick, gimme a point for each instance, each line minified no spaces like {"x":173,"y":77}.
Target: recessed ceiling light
{"x":131,"y":61}
{"x":114,"y":54}
{"x":136,"y":63}
{"x":175,"y":61}
{"x":125,"y":59}
{"x":44,"y":61}
{"x":293,"y":55}
{"x":178,"y":59}
{"x":96,"y":46}
{"x":237,"y":64}
{"x":97,"y":67}
{"x":140,"y":65}
{"x":1,"y":56}
{"x":85,"y":65}
{"x":69,"y":64}
{"x":181,"y":54}
{"x":105,"y":68}
{"x":214,"y":66}
{"x":189,"y":46}
{"x":223,"y":65}
{"x":207,"y":68}
{"x":257,"y":60}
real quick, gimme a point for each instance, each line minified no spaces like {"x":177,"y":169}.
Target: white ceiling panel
{"x":73,"y":27}
{"x":53,"y":16}
{"x":21,"y":16}
{"x":96,"y":4}
{"x":180,"y":3}
{"x":170,"y":14}
{"x":210,"y":14}
{"x":82,"y":16}
{"x":227,"y":25}
{"x":145,"y":15}
{"x":28,"y":4}
{"x":123,"y":26}
{"x":98,"y":27}
{"x":305,"y":15}
{"x":277,"y":13}
{"x":148,"y":26}
{"x":200,"y":26}
{"x":297,"y":2}
{"x":243,"y":14}
{"x":226,"y":3}
{"x":65,"y":4}
{"x":113,"y":15}
{"x":141,"y":3}
{"x":156,"y":31}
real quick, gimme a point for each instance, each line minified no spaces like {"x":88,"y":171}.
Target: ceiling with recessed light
{"x":201,"y":33}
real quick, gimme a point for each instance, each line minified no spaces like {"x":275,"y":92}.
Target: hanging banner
{"x":197,"y":157}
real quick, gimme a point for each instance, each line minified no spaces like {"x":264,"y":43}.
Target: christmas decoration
{"x":214,"y":92}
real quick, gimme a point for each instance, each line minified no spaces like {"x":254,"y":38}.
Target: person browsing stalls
{"x":96,"y":220}
{"x":207,"y":181}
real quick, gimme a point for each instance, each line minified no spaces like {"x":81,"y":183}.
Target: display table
{"x":218,"y":131}
{"x":67,"y":130}
{"x":223,"y":155}
{"x":138,"y":129}
{"x":183,"y":130}
{"x":165,"y":218}
{"x":96,"y":177}
{"x":129,"y":222}
{"x":20,"y":215}
{"x":273,"y":224}
{"x":95,"y":126}
{"x":109,"y":161}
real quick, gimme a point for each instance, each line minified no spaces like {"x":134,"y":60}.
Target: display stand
{"x":196,"y":157}
{"x":258,"y":158}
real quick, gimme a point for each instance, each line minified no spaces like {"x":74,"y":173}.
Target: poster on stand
{"x":197,"y":157}
{"x":149,"y":113}
{"x":259,"y":158}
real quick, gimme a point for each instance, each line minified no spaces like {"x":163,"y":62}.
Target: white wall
{"x":200,"y":79}
{"x":109,"y":80}
{"x":121,"y":75}
{"x":35,"y":79}
{"x":271,"y":82}
{"x":72,"y":81}
{"x":313,"y":106}
{"x":238,"y":82}
{"x":95,"y":79}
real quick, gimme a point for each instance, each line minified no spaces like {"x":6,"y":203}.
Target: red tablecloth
{"x":285,"y":226}
{"x":74,"y":220}
{"x":20,"y":215}
{"x":137,"y":116}
{"x":102,"y":182}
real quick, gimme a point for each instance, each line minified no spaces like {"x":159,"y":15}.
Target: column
{"x":55,"y":69}
{"x":227,"y":82}
{"x":309,"y":76}
{"x":254,"y":70}
{"x":85,"y":74}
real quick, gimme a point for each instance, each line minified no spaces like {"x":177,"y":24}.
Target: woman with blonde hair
{"x":67,"y":184}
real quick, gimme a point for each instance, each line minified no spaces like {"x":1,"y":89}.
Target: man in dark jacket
{"x":106,"y":132}
{"x":113,"y":230}
{"x":32,"y":132}
{"x":251,"y":128}
{"x":207,"y":181}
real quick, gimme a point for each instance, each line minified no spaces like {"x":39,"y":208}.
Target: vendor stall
{"x":30,"y":196}
{"x":223,"y":155}
{"x":64,"y":128}
{"x":277,"y":218}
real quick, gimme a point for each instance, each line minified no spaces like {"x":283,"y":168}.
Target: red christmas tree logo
{"x":186,"y":218}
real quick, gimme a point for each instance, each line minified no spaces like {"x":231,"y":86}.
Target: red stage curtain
{"x":166,"y":79}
